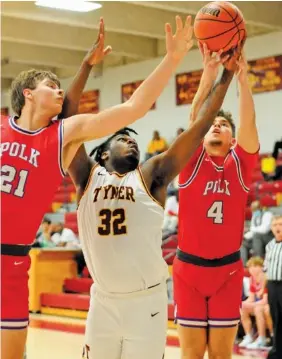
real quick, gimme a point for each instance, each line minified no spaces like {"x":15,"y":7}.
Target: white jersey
{"x":120,"y":228}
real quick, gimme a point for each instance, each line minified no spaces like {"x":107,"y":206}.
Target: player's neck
{"x":217,"y":151}
{"x":119,"y":169}
{"x":32,"y":121}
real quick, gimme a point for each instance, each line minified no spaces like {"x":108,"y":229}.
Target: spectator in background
{"x":179,"y":131}
{"x":171,"y":216}
{"x":277,"y":148}
{"x":156,"y":146}
{"x":64,"y":237}
{"x":43,"y":239}
{"x":270,"y":170}
{"x":273,"y":266}
{"x":254,"y":305}
{"x":259,"y":234}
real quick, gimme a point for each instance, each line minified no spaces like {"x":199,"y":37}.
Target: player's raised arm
{"x":82,"y":163}
{"x":211,"y":63}
{"x":94,"y":56}
{"x":170,"y":163}
{"x":81,"y":128}
{"x":247,"y":131}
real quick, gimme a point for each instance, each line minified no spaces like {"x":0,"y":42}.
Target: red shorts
{"x":207,"y":296}
{"x":14,"y":294}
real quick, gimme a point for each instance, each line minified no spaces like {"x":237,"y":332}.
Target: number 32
{"x":112,"y":222}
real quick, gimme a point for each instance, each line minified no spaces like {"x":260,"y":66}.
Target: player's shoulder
{"x":238,"y":150}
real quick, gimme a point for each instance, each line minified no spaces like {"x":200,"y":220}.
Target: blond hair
{"x":277,"y":216}
{"x":255,"y":261}
{"x":28,"y":80}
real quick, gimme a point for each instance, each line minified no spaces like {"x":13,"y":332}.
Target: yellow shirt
{"x":157,"y":146}
{"x":268,"y":165}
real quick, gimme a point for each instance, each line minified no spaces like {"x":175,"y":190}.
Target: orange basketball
{"x":220,"y":25}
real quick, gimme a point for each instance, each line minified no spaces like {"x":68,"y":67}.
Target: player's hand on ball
{"x":181,"y":42}
{"x":211,"y":61}
{"x":97,"y":53}
{"x":232,"y":63}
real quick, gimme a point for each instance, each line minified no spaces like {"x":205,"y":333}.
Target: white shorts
{"x":131,"y":326}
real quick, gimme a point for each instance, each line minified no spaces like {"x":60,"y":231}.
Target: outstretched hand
{"x":242,"y":68}
{"x":181,"y":42}
{"x":97,"y":53}
{"x":232,"y":63}
{"x":211,"y":61}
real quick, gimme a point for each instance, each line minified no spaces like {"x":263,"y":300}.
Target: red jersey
{"x":256,"y":287}
{"x":31,"y":171}
{"x":212,"y":199}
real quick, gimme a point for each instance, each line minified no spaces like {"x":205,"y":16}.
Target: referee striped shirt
{"x":273,"y":260}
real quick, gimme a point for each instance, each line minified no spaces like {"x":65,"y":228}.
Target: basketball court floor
{"x":57,"y":338}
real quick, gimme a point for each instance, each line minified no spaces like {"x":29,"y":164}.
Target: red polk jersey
{"x":31,"y":171}
{"x":212,"y":200}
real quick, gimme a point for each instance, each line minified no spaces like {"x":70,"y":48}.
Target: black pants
{"x":275,"y":304}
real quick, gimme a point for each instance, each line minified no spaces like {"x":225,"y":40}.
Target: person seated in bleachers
{"x":156,"y":146}
{"x":276,"y":175}
{"x":273,"y":171}
{"x":43,"y":238}
{"x":64,"y":237}
{"x":254,"y":305}
{"x":170,"y":223}
{"x":259,"y":233}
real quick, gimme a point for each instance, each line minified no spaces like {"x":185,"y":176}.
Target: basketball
{"x":220,"y":25}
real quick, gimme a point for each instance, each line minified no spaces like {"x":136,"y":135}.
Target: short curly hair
{"x":28,"y":79}
{"x":228,"y":117}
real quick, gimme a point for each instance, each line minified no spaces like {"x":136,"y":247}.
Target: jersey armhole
{"x":88,"y":182}
{"x":142,"y":180}
{"x":60,"y":142}
{"x":245,"y":163}
{"x":188,"y":174}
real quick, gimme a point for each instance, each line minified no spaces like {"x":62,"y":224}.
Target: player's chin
{"x":133,"y":159}
{"x":215,"y":142}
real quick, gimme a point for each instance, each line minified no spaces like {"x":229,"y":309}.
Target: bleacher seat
{"x":65,"y":301}
{"x":270,"y":187}
{"x":71,"y":221}
{"x":170,"y":243}
{"x":78,"y":285}
{"x":169,"y":255}
{"x":268,"y":201}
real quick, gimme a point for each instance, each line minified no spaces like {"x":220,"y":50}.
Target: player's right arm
{"x":81,"y":128}
{"x":211,"y":62}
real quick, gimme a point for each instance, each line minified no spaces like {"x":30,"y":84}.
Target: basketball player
{"x":120,"y":218}
{"x":37,"y":151}
{"x":213,"y":190}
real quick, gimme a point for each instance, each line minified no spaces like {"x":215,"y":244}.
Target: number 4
{"x":216,"y":212}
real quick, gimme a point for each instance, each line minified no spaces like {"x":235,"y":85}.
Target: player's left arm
{"x":247,"y":132}
{"x":94,"y":57}
{"x":81,"y":164}
{"x":169,"y":164}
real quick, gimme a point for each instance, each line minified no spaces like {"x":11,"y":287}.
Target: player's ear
{"x":233,"y":141}
{"x":105,"y":155}
{"x":27,"y":93}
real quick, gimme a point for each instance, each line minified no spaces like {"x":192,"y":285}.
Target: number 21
{"x":216,"y":212}
{"x":8,"y":174}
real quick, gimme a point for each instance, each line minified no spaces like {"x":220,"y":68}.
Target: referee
{"x":273,"y":266}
